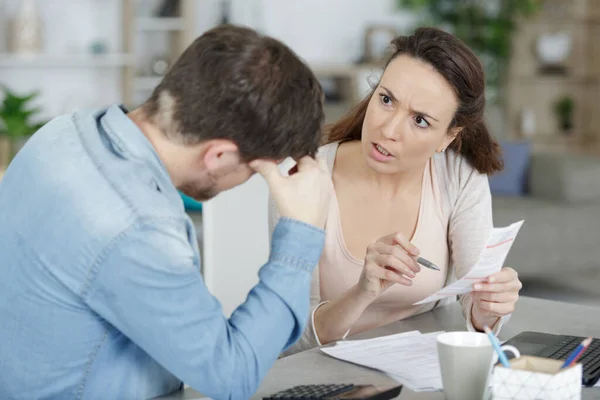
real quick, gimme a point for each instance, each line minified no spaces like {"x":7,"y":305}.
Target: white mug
{"x":466,"y":360}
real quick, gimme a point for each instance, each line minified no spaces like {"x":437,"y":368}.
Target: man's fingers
{"x":306,"y":162}
{"x":268,"y":169}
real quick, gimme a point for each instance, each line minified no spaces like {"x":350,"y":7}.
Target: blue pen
{"x":496,"y":346}
{"x":577,"y":352}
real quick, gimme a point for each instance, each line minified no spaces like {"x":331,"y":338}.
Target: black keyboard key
{"x":316,"y":392}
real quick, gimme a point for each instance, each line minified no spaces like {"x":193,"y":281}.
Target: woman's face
{"x":408,"y":117}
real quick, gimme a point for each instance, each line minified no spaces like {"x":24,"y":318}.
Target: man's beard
{"x":201,"y":191}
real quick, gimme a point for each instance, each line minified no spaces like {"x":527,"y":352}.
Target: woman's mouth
{"x":380,"y":154}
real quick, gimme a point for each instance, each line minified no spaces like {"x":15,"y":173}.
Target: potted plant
{"x":16,"y":119}
{"x":563,"y":108}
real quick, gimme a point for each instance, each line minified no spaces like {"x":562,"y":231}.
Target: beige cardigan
{"x":467,"y":205}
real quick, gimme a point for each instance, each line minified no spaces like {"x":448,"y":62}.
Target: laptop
{"x":559,"y":347}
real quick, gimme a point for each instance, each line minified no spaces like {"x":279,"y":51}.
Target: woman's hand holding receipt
{"x":495,"y":297}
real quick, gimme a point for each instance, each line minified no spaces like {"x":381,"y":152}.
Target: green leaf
{"x":16,"y":113}
{"x":485,"y":32}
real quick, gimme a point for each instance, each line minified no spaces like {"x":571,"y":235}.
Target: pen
{"x":579,"y":350}
{"x":496,"y":346}
{"x":427,"y":263}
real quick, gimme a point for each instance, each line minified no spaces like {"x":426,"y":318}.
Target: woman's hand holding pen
{"x":495,"y":297}
{"x":391,"y":259}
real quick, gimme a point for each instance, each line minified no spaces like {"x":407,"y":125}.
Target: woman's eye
{"x":421,"y":122}
{"x":386,"y":100}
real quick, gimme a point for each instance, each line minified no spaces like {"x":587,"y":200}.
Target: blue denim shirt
{"x":100,"y":291}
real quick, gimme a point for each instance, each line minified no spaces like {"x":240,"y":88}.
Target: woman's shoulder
{"x":457,"y":177}
{"x":327,"y":153}
{"x":455,"y":169}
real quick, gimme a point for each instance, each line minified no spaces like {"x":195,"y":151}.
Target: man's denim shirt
{"x":100,"y":291}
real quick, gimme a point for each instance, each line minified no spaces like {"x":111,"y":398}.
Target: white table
{"x":313,"y":366}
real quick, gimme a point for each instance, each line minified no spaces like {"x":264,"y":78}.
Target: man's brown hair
{"x":234,"y":83}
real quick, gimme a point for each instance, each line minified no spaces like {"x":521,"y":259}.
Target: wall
{"x":236,"y":241}
{"x":320,"y":31}
{"x":69,"y":27}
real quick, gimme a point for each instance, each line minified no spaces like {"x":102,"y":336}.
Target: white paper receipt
{"x":490,"y":261}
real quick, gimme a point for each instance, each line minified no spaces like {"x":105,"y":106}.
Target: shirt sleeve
{"x":470,"y":225}
{"x":148,"y":286}
{"x":309,"y":338}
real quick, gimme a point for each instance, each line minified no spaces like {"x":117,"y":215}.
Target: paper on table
{"x":409,"y":358}
{"x":490,"y":261}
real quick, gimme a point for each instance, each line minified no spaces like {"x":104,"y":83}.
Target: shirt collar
{"x":129,"y":141}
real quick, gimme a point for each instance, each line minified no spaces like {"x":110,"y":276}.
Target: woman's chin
{"x":382,"y":168}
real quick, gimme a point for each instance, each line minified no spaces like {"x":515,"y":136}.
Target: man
{"x":100,"y":291}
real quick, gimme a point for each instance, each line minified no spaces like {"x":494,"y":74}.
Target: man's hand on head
{"x":303,"y":195}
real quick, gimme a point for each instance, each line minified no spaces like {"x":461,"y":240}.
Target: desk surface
{"x":314,"y":366}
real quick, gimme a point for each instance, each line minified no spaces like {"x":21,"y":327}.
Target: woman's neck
{"x":388,"y":185}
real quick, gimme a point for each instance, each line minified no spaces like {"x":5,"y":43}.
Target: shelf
{"x":8,"y":60}
{"x":335,"y":111}
{"x":160,"y":24}
{"x":342,"y":70}
{"x":143,"y":83}
{"x":546,"y":21}
{"x":538,"y":79}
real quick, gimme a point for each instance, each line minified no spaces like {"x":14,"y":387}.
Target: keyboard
{"x":337,"y":391}
{"x":590,"y":359}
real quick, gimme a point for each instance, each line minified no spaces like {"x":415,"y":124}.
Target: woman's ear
{"x":449,"y":138}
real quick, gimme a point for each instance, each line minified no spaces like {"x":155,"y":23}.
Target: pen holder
{"x":535,"y":378}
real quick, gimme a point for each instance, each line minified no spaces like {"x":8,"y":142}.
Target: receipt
{"x":490,"y":261}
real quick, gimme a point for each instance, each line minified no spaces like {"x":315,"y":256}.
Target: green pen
{"x":427,"y":263}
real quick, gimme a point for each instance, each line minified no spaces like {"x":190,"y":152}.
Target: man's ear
{"x":220,"y":155}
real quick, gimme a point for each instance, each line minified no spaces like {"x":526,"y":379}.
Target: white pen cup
{"x":466,"y":360}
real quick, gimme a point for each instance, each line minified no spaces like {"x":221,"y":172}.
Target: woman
{"x":409,"y":166}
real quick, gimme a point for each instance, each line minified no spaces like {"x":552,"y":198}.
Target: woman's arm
{"x":387,"y":262}
{"x":392,"y":259}
{"x":333,"y":320}
{"x":469,"y":228}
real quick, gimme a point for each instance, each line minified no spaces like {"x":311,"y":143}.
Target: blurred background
{"x":542,"y":60}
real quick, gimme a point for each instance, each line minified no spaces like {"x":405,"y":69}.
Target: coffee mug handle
{"x":512,"y":349}
{"x":505,"y":348}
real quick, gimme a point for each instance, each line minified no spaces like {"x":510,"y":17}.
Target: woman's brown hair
{"x":461,"y":68}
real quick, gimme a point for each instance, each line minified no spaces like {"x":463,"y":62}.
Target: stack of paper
{"x":410,"y":358}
